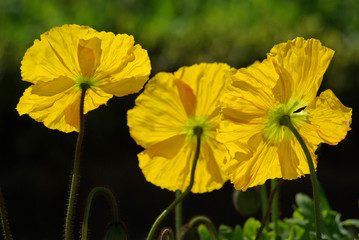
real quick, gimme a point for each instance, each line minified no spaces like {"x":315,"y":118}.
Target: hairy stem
{"x":113,"y":202}
{"x":3,"y":218}
{"x":75,"y":178}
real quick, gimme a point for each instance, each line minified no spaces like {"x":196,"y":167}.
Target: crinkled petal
{"x":49,"y":109}
{"x":60,"y":111}
{"x":89,"y":52}
{"x":293,"y":162}
{"x":249,"y":169}
{"x":58,"y":85}
{"x":250,"y":91}
{"x":306,"y":62}
{"x":207,"y":81}
{"x":124,"y":68}
{"x":188,"y":99}
{"x":173,"y":173}
{"x":158,"y":114}
{"x":55,"y":54}
{"x":162,"y":168}
{"x":328,"y":120}
{"x":214,"y":154}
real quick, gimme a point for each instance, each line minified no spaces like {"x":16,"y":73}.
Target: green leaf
{"x":203,"y":232}
{"x":237,"y":234}
{"x":227,"y":233}
{"x":351,"y":223}
{"x":305,"y":204}
{"x":250,"y":228}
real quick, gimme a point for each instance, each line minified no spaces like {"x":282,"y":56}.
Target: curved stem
{"x":178,"y":216}
{"x":285,"y":120}
{"x":113,"y":202}
{"x":206,"y":221}
{"x":3,"y":218}
{"x":270,"y":199}
{"x":75,"y":179}
{"x":198,"y":131}
{"x":166,"y":234}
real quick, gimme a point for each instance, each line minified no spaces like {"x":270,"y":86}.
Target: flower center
{"x":192,"y":124}
{"x":85,"y":83}
{"x":273,"y":130}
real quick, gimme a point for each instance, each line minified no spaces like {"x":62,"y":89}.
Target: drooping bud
{"x":116,"y":231}
{"x":248,"y":202}
{"x":189,"y":233}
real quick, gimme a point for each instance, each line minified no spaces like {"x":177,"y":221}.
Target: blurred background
{"x":36,"y":161}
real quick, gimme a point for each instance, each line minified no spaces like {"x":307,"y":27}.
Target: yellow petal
{"x":124,"y":68}
{"x":60,"y":111}
{"x":293,"y":162}
{"x":306,"y":62}
{"x":250,"y":90}
{"x":328,"y":120}
{"x":283,"y":90}
{"x":48,"y":109}
{"x":89,"y":52}
{"x":159,"y":113}
{"x":245,"y":103}
{"x":58,"y":85}
{"x":187,"y":97}
{"x":55,"y":54}
{"x":207,"y":81}
{"x":213,"y":156}
{"x":173,"y":173}
{"x":253,"y":168}
{"x":168,"y":148}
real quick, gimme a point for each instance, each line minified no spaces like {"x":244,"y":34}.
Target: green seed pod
{"x":248,"y":202}
{"x":116,"y":231}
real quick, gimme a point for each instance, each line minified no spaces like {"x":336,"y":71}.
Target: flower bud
{"x":189,"y":233}
{"x":248,"y":202}
{"x":116,"y":231}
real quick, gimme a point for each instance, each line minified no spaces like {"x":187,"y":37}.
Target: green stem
{"x":264,"y":198}
{"x":274,"y":183}
{"x":3,"y":217}
{"x":206,"y":221}
{"x":178,"y":216}
{"x":75,"y":173}
{"x":270,"y":199}
{"x":113,"y":203}
{"x":198,"y":131}
{"x":285,"y":120}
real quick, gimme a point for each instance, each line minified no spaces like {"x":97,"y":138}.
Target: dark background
{"x":35,"y":162}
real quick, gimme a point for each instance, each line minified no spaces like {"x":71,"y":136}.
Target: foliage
{"x":300,"y":226}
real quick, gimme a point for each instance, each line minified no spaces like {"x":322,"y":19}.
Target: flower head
{"x":164,"y":121}
{"x":284,"y":84}
{"x":70,"y":58}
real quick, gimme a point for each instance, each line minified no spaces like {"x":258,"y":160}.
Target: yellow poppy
{"x":162,"y":122}
{"x":69,"y":56}
{"x":286,"y":83}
